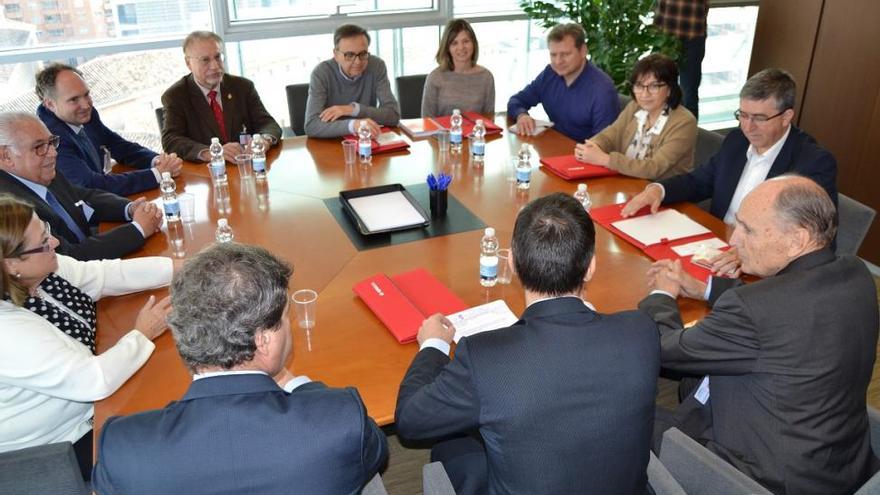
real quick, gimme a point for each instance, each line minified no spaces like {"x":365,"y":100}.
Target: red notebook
{"x":569,"y":168}
{"x":377,"y":148}
{"x":403,"y":301}
{"x":606,"y":215}
{"x":468,"y":121}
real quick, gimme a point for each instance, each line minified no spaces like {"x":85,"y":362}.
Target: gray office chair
{"x":855,"y":220}
{"x":409,"y":95}
{"x":661,"y":481}
{"x":623,"y":100}
{"x":297,"y":95}
{"x":435,"y":481}
{"x":708,"y":143}
{"x":160,"y":118}
{"x":45,"y":469}
{"x":700,"y":471}
{"x":375,"y":487}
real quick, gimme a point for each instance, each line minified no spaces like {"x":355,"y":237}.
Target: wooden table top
{"x":349,"y":345}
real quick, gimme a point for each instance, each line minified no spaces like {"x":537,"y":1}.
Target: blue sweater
{"x":579,"y":111}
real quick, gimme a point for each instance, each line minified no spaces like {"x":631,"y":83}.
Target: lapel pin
{"x":228,"y":96}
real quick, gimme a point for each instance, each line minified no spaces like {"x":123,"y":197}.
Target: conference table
{"x":288,"y":215}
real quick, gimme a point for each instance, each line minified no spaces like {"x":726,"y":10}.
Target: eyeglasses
{"x":350,"y":56}
{"x":206,"y":60}
{"x":651,"y":89}
{"x":757,"y":119}
{"x":45,"y":247}
{"x":41,"y":148}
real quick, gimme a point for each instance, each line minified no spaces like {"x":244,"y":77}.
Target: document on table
{"x":482,"y":318}
{"x":540,"y":126}
{"x":664,"y":225}
{"x":692,"y":247}
{"x":387,"y":138}
{"x":386,"y":211}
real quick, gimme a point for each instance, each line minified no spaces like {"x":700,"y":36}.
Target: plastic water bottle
{"x":218,"y":163}
{"x":455,"y":131}
{"x":169,"y":198}
{"x":258,"y":148}
{"x":524,"y":168}
{"x":224,"y":231}
{"x":488,"y":258}
{"x":244,"y":139}
{"x":478,"y":142}
{"x":365,"y":144}
{"x":583,"y":197}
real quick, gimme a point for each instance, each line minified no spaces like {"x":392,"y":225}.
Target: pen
{"x":377,"y":289}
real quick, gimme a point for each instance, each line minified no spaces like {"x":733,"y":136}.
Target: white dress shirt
{"x":288,"y":387}
{"x":755,"y":172}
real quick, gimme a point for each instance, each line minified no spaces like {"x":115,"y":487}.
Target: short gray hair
{"x":9,"y":126}
{"x":803,"y":203}
{"x":771,"y":83}
{"x":221,"y":298}
{"x":201,"y":35}
{"x":46,"y":79}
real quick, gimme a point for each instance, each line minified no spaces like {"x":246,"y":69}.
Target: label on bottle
{"x":365,"y":150}
{"x":259,"y":164}
{"x":172,"y":208}
{"x":478,"y":149}
{"x":455,"y":137}
{"x":524,"y":174}
{"x":488,"y":267}
{"x":218,"y":168}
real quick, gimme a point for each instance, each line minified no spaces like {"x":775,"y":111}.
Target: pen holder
{"x":438,"y":203}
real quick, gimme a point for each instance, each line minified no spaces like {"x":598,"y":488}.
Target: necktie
{"x":218,"y":114}
{"x":61,"y":212}
{"x":86,"y":144}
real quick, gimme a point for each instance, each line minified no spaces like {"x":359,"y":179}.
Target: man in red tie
{"x":209,"y":103}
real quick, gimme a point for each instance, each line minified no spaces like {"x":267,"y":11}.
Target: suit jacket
{"x":190,"y":123}
{"x":108,"y":207}
{"x":789,"y":359}
{"x":80,"y":168}
{"x":718,"y":178}
{"x":564,"y":399}
{"x":243,"y":434}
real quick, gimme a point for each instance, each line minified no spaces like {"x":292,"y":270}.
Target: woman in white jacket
{"x":49,"y":372}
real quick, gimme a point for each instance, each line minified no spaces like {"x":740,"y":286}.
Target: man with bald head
{"x":787,"y":359}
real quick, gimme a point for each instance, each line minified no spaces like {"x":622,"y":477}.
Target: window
{"x":49,"y":5}
{"x":52,"y":19}
{"x":249,"y":10}
{"x":127,"y":13}
{"x":466,"y":8}
{"x":12,"y":8}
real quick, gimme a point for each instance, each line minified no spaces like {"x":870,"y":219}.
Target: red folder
{"x":468,"y":121}
{"x":606,"y":215}
{"x":386,"y":148}
{"x":403,"y":301}
{"x":569,"y":168}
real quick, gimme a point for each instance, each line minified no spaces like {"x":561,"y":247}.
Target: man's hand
{"x":147,"y":215}
{"x":375,"y":128}
{"x":333,"y":113}
{"x":651,"y":196}
{"x":436,"y":326}
{"x":669,"y":276}
{"x":727,"y":264}
{"x":231,"y":150}
{"x":151,"y":319}
{"x":525,"y":125}
{"x":169,"y":163}
{"x":588,"y":152}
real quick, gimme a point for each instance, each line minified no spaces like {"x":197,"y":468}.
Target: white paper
{"x":692,"y":247}
{"x":540,"y":126}
{"x":702,"y":393}
{"x":386,"y":211}
{"x":666,"y":224}
{"x":482,"y":318}
{"x":387,"y":138}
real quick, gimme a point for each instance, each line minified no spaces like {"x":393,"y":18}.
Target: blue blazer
{"x":563,"y":399}
{"x":81,"y":169}
{"x":718,"y":178}
{"x":243,"y":434}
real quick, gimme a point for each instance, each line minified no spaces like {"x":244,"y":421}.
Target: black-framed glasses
{"x":757,"y":119}
{"x":651,"y":89}
{"x":350,"y":56}
{"x":42,"y":147}
{"x":207,"y":59}
{"x":44,"y":247}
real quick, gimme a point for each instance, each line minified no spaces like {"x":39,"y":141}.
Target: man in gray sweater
{"x":350,"y":88}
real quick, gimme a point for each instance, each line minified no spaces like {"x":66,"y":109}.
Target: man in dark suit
{"x":208,"y":103}
{"x":765,"y":145}
{"x":87,"y":144}
{"x":560,"y":402}
{"x":246,"y":424}
{"x":788,"y":358}
{"x":27,"y":171}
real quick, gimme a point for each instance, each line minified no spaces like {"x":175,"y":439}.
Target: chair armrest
{"x":435,"y":481}
{"x":661,"y":480}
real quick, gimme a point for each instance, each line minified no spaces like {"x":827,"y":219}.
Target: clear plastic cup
{"x":187,"y":207}
{"x":305,"y":302}
{"x":349,"y":151}
{"x":442,"y":137}
{"x":245,"y":163}
{"x":505,"y":273}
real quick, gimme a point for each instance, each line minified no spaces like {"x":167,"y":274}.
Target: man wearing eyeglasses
{"x":84,"y":154}
{"x":350,"y":88}
{"x":765,"y":145}
{"x":209,"y":103}
{"x":27,"y":171}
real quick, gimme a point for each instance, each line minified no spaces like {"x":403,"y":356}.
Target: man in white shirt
{"x":765,"y":145}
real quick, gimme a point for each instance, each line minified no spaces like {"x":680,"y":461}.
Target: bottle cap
{"x":489,"y":231}
{"x":456,"y":111}
{"x":215,"y":140}
{"x":222,"y":222}
{"x":524,"y":147}
{"x":582,"y":187}
{"x":166,"y":175}
{"x":479,"y":121}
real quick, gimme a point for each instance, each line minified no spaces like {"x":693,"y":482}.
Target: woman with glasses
{"x":654,"y":136}
{"x":49,"y":372}
{"x":458,"y":82}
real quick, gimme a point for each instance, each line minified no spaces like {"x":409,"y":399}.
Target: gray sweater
{"x":446,"y":90}
{"x":329,"y":87}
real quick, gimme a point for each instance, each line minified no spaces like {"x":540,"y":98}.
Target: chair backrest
{"x":409,"y":95}
{"x":375,"y":487}
{"x":872,"y":486}
{"x":160,"y":118}
{"x":661,"y":481}
{"x":435,"y":481}
{"x":45,"y":469}
{"x":700,"y":471}
{"x":854,"y":221}
{"x":623,"y":100}
{"x":297,"y":95}
{"x":708,"y":143}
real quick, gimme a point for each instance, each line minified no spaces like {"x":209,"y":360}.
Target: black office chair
{"x":409,"y":95}
{"x":297,"y":95}
{"x":48,"y":468}
{"x":160,"y":118}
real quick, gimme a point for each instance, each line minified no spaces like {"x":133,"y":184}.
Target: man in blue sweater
{"x":578,"y":97}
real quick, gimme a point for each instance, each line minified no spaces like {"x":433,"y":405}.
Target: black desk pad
{"x":458,"y":219}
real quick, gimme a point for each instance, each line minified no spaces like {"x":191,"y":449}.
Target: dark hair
{"x":45,"y":79}
{"x":560,"y":31}
{"x":201,"y":35}
{"x":221,"y":298}
{"x":349,"y":31}
{"x":771,"y":83}
{"x":664,"y":70}
{"x":553,"y":243}
{"x":803,"y":203}
{"x":453,"y":27}
{"x":15,"y":216}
